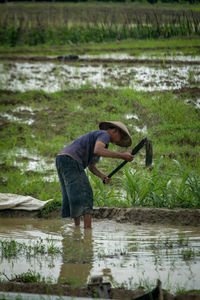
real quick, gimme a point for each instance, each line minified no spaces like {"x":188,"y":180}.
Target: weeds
{"x":29,"y":276}
{"x":188,"y":254}
{"x":13,"y":249}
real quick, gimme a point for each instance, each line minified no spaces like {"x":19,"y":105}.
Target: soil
{"x":98,"y":60}
{"x":134,"y":215}
{"x":88,"y":291}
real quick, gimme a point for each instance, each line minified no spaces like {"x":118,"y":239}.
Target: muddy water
{"x":122,"y":253}
{"x":178,"y":56}
{"x":54,"y":76}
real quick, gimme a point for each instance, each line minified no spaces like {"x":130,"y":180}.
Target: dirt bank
{"x":97,"y":60}
{"x":66,"y":290}
{"x":135,"y":215}
{"x":141,"y":215}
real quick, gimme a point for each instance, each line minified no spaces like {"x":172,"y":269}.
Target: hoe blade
{"x":149,"y":153}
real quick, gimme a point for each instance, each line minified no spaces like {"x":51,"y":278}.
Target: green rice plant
{"x":158,"y":188}
{"x":12,"y":249}
{"x":51,"y":248}
{"x":30,"y":276}
{"x":140,"y":189}
{"x":188,"y":187}
{"x":188,"y":254}
{"x":182,"y":241}
{"x":102,"y":195}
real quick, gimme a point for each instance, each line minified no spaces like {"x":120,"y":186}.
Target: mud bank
{"x":66,"y":290}
{"x":134,"y":215}
{"x":142,"y":215}
{"x":98,"y":60}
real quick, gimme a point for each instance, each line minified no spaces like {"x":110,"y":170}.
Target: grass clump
{"x":13,"y":249}
{"x":28,"y":277}
{"x":178,"y":187}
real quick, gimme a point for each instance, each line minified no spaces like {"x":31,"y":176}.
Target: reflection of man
{"x":108,"y":274}
{"x":77,"y":257}
{"x":77,"y":196}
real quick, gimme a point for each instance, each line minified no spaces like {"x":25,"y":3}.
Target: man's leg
{"x":65,"y":201}
{"x":87,"y":221}
{"x":77,"y":221}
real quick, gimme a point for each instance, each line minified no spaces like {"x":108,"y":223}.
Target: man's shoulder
{"x":96,"y":133}
{"x":93,"y":136}
{"x":100,"y":133}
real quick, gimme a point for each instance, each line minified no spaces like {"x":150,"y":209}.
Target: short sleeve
{"x":104,"y":137}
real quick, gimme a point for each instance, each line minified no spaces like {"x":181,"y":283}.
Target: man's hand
{"x":127,"y":156}
{"x":95,"y":171}
{"x":105,"y":179}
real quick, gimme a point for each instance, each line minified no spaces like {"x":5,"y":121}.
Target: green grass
{"x":148,"y":47}
{"x":172,"y":126}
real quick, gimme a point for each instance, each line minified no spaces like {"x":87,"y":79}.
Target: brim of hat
{"x":125,"y":141}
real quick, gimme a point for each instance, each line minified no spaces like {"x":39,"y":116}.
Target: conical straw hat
{"x":126,"y":139}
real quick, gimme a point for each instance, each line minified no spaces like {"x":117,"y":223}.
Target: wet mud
{"x":140,"y":74}
{"x":98,"y":60}
{"x":134,"y":215}
{"x":65,"y":290}
{"x":142,"y":215}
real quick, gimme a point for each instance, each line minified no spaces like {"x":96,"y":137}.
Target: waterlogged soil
{"x":134,"y":215}
{"x":128,"y":247}
{"x":127,"y":255}
{"x":108,"y":70}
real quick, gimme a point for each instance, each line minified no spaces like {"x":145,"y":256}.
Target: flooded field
{"x":127,"y":255}
{"x":124,"y":254}
{"x":115,"y":70}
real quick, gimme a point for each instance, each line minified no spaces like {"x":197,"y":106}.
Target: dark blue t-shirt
{"x":82,"y":149}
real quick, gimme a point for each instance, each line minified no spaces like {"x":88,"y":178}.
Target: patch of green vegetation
{"x":29,"y":276}
{"x":63,"y":116}
{"x":185,"y":292}
{"x":13,"y":249}
{"x":51,"y":206}
{"x":35,"y":24}
{"x":148,"y":43}
{"x":135,"y":47}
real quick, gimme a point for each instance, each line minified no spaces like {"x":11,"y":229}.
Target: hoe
{"x":149,"y":155}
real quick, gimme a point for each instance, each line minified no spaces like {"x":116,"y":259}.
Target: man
{"x":85,"y":151}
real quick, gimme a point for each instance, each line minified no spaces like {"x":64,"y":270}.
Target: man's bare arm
{"x":95,"y":171}
{"x":100,"y":150}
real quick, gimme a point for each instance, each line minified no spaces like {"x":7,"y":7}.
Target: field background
{"x":68,"y":23}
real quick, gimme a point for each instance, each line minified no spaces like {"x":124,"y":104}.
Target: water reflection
{"x":77,"y":256}
{"x":122,"y":253}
